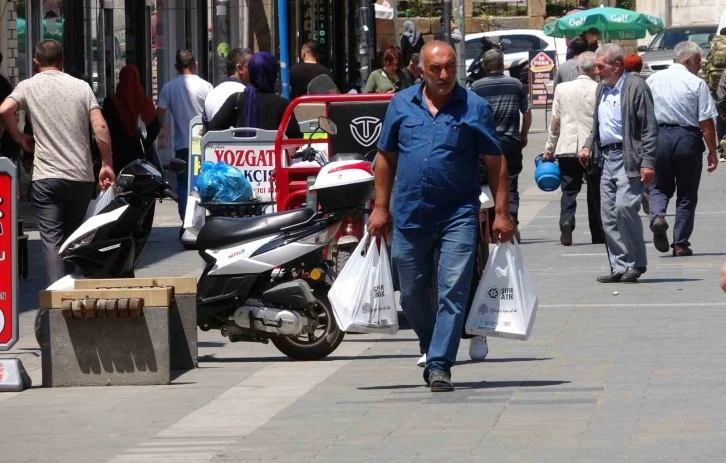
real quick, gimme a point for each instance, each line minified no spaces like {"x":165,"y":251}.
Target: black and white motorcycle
{"x":264,"y":278}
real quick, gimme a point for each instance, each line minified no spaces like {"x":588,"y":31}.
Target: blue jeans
{"x":439,"y":327}
{"x":182,"y":182}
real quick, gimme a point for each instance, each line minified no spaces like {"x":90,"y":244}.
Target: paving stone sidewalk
{"x":632,"y":376}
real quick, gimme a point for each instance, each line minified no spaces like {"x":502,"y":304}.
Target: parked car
{"x":516,"y":45}
{"x":659,"y":54}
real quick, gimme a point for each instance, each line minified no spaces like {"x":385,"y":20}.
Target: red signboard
{"x":8,"y":257}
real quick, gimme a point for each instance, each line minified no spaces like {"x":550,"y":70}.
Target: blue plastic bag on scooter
{"x":221,"y":183}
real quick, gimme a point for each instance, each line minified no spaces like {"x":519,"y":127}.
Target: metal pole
{"x":365,"y":44}
{"x":459,"y":19}
{"x":221,"y":41}
{"x":284,"y":48}
{"x":246,"y":24}
{"x":394,"y":5}
{"x":447,"y":21}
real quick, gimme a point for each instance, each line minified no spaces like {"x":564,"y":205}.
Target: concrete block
{"x":105,"y":352}
{"x":183,"y":332}
{"x":182,"y":313}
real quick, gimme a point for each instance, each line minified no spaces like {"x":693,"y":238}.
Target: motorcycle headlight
{"x":84,"y":240}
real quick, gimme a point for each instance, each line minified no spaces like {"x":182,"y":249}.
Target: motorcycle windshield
{"x":322,"y":85}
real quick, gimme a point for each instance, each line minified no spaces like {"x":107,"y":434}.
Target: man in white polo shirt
{"x":239,"y":75}
{"x":184,"y":98}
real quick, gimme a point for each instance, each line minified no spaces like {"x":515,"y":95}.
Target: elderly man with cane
{"x":623,"y":141}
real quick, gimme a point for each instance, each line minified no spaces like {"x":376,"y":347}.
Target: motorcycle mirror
{"x":327,"y":125}
{"x":177,"y":165}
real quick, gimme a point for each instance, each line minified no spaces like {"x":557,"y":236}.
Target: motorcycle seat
{"x":218,"y":232}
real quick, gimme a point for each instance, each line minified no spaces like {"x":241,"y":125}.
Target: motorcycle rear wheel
{"x":323,"y":342}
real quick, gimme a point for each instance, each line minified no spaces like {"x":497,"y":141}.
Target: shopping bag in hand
{"x":362,"y":295}
{"x":505,"y":303}
{"x":104,"y":199}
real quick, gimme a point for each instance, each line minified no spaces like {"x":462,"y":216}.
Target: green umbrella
{"x":616,"y":23}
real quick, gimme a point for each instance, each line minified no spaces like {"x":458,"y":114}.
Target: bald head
{"x":439,"y":66}
{"x":437,"y":48}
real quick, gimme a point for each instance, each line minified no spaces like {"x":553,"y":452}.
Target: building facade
{"x":684,"y":12}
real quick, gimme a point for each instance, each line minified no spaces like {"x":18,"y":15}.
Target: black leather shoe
{"x":614,"y":277}
{"x":660,"y":237}
{"x":631,"y":275}
{"x":642,"y":270}
{"x":566,"y":236}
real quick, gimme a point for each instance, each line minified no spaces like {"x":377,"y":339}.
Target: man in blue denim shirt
{"x":434,"y":137}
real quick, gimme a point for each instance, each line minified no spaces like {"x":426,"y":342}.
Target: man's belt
{"x":612,"y":146}
{"x":690,"y":128}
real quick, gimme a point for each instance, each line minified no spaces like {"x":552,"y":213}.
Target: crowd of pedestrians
{"x":621,"y":135}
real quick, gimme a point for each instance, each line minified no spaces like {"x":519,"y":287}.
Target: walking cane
{"x":599,"y":212}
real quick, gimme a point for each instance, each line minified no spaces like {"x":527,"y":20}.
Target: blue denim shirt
{"x":438,"y":173}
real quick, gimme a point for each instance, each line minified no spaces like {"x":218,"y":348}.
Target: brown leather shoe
{"x":682,"y":251}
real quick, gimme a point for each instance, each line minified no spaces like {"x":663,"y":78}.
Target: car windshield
{"x":669,"y":38}
{"x":511,"y":43}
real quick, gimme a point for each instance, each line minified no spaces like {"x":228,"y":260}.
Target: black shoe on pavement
{"x":566,"y":235}
{"x":440,"y":381}
{"x":642,"y":270}
{"x":598,"y":241}
{"x":631,"y":275}
{"x":614,"y":277}
{"x":660,"y":237}
{"x":682,"y":251}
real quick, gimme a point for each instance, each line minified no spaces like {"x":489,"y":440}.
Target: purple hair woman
{"x":258,"y":106}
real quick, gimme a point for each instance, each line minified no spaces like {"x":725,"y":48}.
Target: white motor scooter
{"x":264,"y":279}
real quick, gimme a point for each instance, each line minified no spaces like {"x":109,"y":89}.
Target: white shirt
{"x":184,"y":98}
{"x":219,"y":95}
{"x":681,"y":98}
{"x":610,"y":114}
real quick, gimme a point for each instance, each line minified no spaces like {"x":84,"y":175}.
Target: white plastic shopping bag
{"x":362,"y":295}
{"x":505,"y":303}
{"x":102,"y":200}
{"x":195,"y":216}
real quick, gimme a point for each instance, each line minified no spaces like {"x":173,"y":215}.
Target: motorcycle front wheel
{"x":323,"y":341}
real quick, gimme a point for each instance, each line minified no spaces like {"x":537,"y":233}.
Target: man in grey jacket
{"x":623,"y":141}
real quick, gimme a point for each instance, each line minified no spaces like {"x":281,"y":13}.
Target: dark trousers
{"x":182,"y":182}
{"x":514,"y":198}
{"x":678,"y":166}
{"x":720,"y":128}
{"x":573,"y":177}
{"x":61,"y":206}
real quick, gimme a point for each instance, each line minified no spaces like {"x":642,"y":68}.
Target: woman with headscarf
{"x":411,"y":41}
{"x":122,"y":112}
{"x":257,"y":106}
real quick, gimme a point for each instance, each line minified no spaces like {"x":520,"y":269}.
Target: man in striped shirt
{"x":508,"y":98}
